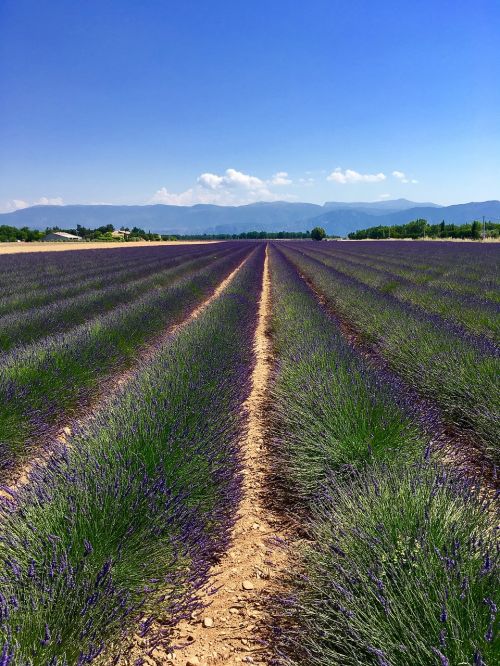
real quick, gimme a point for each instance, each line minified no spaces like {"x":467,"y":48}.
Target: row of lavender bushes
{"x":465,"y":268}
{"x":43,"y":385}
{"x":471,"y":313}
{"x":118,"y":532}
{"x":400,"y":562}
{"x":24,"y":326}
{"x":458,"y":372}
{"x":39,"y":278}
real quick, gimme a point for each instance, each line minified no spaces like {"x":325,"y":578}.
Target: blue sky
{"x":230,"y":102}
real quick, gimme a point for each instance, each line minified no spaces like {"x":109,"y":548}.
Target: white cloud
{"x":210,"y":180}
{"x":281,"y":178}
{"x":233,"y":179}
{"x":19,"y":204}
{"x":230,"y":189}
{"x":46,"y":201}
{"x":187,"y":198}
{"x":401,"y":176}
{"x":350,"y":176}
{"x":384,"y":196}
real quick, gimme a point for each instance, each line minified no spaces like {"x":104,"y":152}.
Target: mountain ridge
{"x":337,"y":218}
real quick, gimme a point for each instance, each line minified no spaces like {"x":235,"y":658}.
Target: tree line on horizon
{"x":419,"y":228}
{"x":104,"y":233}
{"x":422,"y":229}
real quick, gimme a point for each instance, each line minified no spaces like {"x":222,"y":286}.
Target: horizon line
{"x":243,"y":205}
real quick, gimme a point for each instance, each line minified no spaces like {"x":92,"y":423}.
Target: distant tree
{"x":13,"y":234}
{"x":476,"y":230}
{"x":318,"y":233}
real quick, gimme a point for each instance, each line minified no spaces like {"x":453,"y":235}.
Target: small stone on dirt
{"x":247,"y":585}
{"x":158,"y":653}
{"x":208,"y":622}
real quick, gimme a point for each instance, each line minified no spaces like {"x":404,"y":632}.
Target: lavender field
{"x":250,"y":452}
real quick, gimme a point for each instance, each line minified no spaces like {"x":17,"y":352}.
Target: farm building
{"x":60,"y":236}
{"x":120,"y":233}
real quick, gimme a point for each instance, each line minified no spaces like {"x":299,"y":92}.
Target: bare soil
{"x":15,"y":248}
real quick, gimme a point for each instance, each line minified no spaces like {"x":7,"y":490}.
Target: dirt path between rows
{"x":111,"y":387}
{"x":232,"y":627}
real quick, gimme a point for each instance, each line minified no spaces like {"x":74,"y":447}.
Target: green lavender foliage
{"x":473,"y":312}
{"x":330,"y":410}
{"x":401,"y":569}
{"x":460,"y":375}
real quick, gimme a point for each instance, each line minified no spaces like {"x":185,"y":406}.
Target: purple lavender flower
{"x":442,"y":658}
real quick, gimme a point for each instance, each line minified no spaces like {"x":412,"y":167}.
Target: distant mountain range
{"x":336,"y":217}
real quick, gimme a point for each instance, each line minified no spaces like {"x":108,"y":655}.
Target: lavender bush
{"x":470,"y":313}
{"x":34,"y":279}
{"x":400,"y":562}
{"x":401,"y":570}
{"x":465,"y":268}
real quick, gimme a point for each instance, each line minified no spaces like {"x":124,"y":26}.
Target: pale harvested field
{"x":13,"y":248}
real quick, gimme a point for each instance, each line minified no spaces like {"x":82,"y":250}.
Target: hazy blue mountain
{"x":456,"y":214}
{"x":380,"y":207}
{"x":198,"y":219}
{"x":337,"y":218}
{"x":342,"y":221}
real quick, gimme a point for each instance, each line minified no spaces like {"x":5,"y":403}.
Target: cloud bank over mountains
{"x":19,"y":204}
{"x":232,"y":188}
{"x":350,"y":176}
{"x":236,"y":188}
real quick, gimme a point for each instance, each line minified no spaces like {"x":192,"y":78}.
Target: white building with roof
{"x":60,"y":236}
